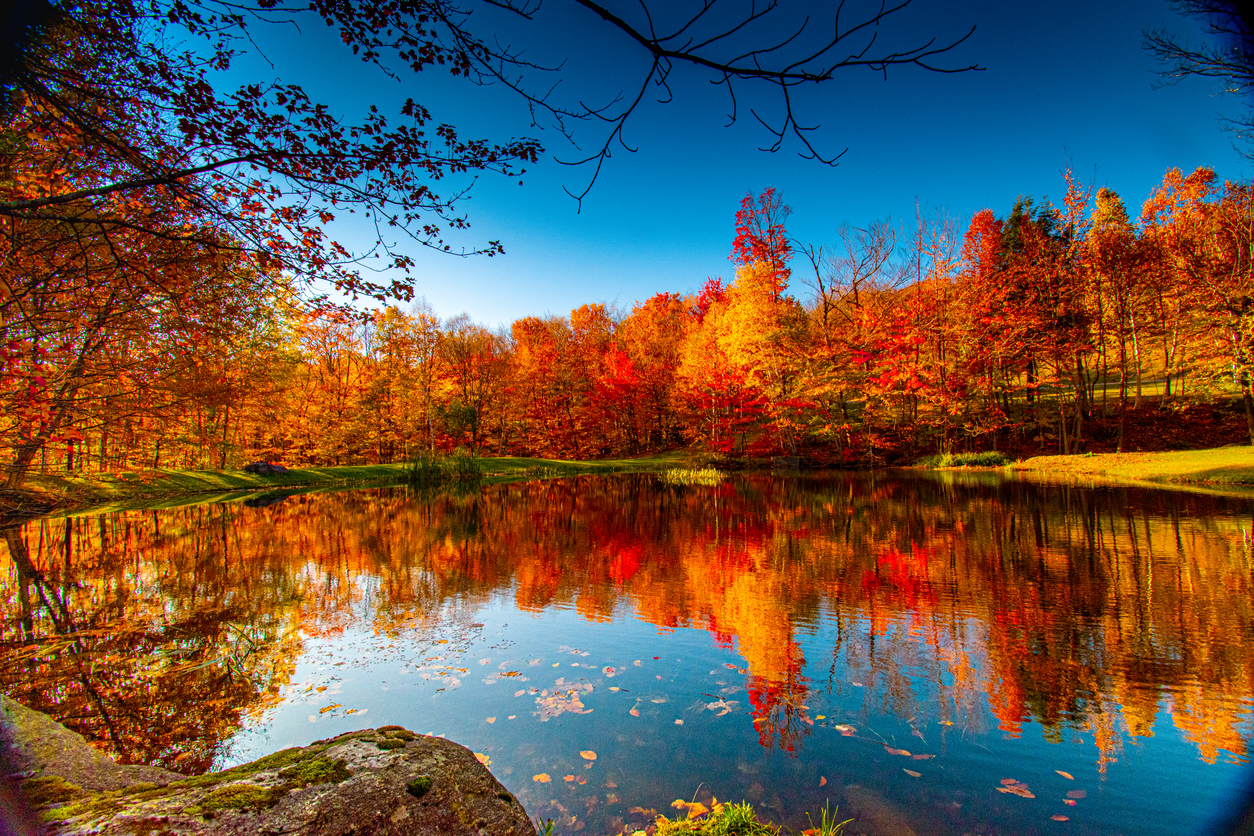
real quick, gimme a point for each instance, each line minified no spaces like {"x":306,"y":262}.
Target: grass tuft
{"x":990,"y":458}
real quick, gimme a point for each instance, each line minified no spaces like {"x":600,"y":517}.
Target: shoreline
{"x":1222,"y":468}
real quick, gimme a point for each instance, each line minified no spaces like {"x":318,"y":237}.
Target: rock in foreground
{"x":386,"y":781}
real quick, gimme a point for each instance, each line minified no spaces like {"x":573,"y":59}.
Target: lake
{"x":938,"y":653}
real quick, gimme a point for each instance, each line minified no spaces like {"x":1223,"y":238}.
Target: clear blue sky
{"x":1063,"y":81}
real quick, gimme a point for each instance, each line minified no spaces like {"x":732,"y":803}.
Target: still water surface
{"x":936,"y":654}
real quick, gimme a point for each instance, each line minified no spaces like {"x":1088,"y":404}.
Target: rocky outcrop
{"x":265,"y":469}
{"x":387,"y":781}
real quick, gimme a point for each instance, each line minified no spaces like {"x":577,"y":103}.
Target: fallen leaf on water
{"x":491,"y":719}
{"x":820,"y":716}
{"x":520,"y":692}
{"x":636,"y":663}
{"x":1076,"y":793}
{"x":608,"y":671}
{"x":351,"y":711}
{"x":483,"y":759}
{"x":844,"y":729}
{"x":329,"y":708}
{"x":555,"y":664}
{"x":890,"y":750}
{"x":615,"y":688}
{"x":922,"y":757}
{"x":1015,"y":787}
{"x":568,"y":778}
{"x":679,"y":722}
{"x":511,"y":717}
{"x":634,"y":713}
{"x":321,"y":688}
{"x":588,"y":755}
{"x":542,"y":778}
{"x":1059,"y":817}
{"x":1066,"y":775}
{"x":1068,"y":802}
{"x":659,"y":678}
{"x":912,"y":773}
{"x":610,"y":783}
{"x":581,"y":780}
{"x":822,"y":781}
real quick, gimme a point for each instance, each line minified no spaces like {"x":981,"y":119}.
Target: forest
{"x":171,"y":295}
{"x":1037,"y":330}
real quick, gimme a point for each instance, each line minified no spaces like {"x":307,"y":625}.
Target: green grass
{"x":45,"y":493}
{"x":1224,"y":466}
{"x":989,"y":458}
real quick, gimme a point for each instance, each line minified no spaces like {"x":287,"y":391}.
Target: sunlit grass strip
{"x":703,"y":476}
{"x":1218,"y":466}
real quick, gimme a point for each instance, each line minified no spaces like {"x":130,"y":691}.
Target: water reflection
{"x":980,"y":604}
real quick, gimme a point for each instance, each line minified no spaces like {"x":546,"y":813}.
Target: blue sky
{"x":1066,"y":81}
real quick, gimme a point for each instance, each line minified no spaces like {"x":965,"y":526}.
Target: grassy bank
{"x":1222,"y":466}
{"x":44,"y":493}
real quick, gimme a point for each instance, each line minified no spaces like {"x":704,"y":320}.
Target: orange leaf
{"x":822,"y":781}
{"x":491,"y":719}
{"x":890,"y":750}
{"x":542,"y":778}
{"x":588,"y":755}
{"x":912,"y":773}
{"x":568,"y":778}
{"x":1059,"y":817}
{"x":1066,"y":775}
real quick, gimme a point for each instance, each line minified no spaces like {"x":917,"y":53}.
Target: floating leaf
{"x":588,"y":755}
{"x":820,"y":716}
{"x":511,"y":717}
{"x":679,"y":722}
{"x":634,"y":712}
{"x":1059,"y":817}
{"x":568,"y":778}
{"x":608,"y":671}
{"x":1015,"y":787}
{"x":506,"y":673}
{"x":615,"y":688}
{"x":890,"y":750}
{"x":483,"y":759}
{"x":1068,"y":802}
{"x":520,"y":692}
{"x":822,"y":781}
{"x":581,"y":780}
{"x":329,"y":708}
{"x":912,"y":773}
{"x":1066,"y":775}
{"x":542,"y":778}
{"x":1076,"y":793}
{"x":922,"y":757}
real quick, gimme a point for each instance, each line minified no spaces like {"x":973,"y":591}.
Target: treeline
{"x":1036,"y":330}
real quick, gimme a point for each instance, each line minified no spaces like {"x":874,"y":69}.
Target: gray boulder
{"x":265,"y":469}
{"x":387,"y":781}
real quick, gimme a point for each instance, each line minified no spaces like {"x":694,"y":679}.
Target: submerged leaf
{"x":1076,"y":793}
{"x":912,"y":773}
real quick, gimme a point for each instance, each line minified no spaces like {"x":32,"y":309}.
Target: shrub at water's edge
{"x":990,"y":458}
{"x":429,"y":471}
